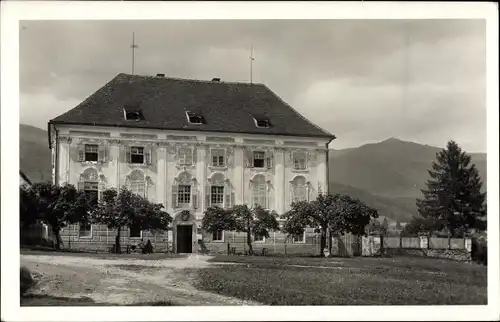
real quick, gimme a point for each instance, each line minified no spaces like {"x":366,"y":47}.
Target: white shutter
{"x":227,"y":197}
{"x":175,"y":192}
{"x":101,"y":157}
{"x":81,"y":152}
{"x":194,"y":196}
{"x":81,"y":185}
{"x":147,"y":155}
{"x":269,"y":159}
{"x":207,"y":196}
{"x":128,"y":155}
{"x":102,"y":187}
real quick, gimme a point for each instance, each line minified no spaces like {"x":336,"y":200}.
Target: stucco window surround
{"x":301,"y":160}
{"x":260,"y":191}
{"x":137,"y":182}
{"x":136,"y":151}
{"x":300,"y":189}
{"x":217,"y":183}
{"x":185,"y":191}
{"x":92,"y":151}
{"x":90,"y":180}
{"x":185,"y":155}
{"x":259,"y":158}
{"x":218,"y":237}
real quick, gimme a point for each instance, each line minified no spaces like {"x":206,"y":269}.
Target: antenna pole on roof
{"x":133,"y":46}
{"x":251,"y":63}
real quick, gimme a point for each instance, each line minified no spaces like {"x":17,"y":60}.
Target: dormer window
{"x":132,"y":114}
{"x":262,"y":122}
{"x":195,"y":118}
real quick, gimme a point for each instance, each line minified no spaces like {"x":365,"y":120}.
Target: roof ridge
{"x":300,"y":115}
{"x":190,"y":79}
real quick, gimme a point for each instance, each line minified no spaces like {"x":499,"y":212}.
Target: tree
{"x":28,"y":213}
{"x":123,"y":208}
{"x":384,"y":227}
{"x":453,"y":198}
{"x":59,"y":206}
{"x":337,"y":213}
{"x":217,"y":219}
{"x":256,"y":221}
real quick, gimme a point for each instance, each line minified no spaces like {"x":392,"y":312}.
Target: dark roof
{"x":163,"y":101}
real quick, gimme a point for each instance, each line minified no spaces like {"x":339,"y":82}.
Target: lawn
{"x":345,"y":281}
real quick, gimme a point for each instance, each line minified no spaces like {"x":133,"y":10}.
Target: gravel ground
{"x":122,"y":281}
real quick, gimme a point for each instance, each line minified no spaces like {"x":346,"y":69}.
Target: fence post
{"x":228,"y":248}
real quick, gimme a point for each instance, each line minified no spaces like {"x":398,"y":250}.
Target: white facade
{"x":191,"y":170}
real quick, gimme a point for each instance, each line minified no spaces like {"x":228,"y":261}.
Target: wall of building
{"x":163,"y":171}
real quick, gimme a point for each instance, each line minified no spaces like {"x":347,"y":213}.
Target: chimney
{"x":215,"y":79}
{"x":160,"y":75}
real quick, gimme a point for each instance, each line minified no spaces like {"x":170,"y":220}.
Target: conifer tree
{"x":453,"y":199}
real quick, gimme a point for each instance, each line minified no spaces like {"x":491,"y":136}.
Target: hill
{"x":388,"y":175}
{"x":34,"y":153}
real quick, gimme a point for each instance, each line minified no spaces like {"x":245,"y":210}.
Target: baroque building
{"x":188,"y":144}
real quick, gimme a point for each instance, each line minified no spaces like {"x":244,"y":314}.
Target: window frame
{"x":258,"y":241}
{"x":303,"y":241}
{"x":264,"y":190}
{"x":86,"y":153}
{"x":137,"y":153}
{"x":130,"y":233}
{"x":254,"y":159}
{"x":182,"y":161}
{"x":218,"y":156}
{"x":221,"y":240}
{"x":184,"y":194}
{"x":89,"y":236}
{"x":138,"y":183}
{"x":217,"y":194}
{"x":295,"y":159}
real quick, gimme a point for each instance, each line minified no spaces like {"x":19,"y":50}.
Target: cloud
{"x":363,"y":80}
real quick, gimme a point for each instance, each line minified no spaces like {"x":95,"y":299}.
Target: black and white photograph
{"x":263,"y":161}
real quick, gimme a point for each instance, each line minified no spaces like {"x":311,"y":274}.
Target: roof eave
{"x":329,"y":136}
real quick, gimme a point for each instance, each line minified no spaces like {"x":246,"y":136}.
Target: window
{"x":299,"y":238}
{"x":195,"y":118}
{"x":259,"y":238}
{"x":300,"y":193}
{"x":258,"y":159}
{"x":218,"y":236}
{"x":91,"y":152}
{"x":91,"y":189}
{"x":299,"y":161}
{"x":262,"y":122}
{"x":138,"y":187}
{"x":132,"y":113}
{"x":217,"y":196}
{"x":259,"y":194}
{"x":185,"y":156}
{"x":218,"y":158}
{"x":85,"y":230}
{"x":136,"y":154}
{"x":135,"y":231}
{"x":184,"y":195}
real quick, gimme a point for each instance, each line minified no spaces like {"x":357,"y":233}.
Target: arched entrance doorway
{"x":184,"y":233}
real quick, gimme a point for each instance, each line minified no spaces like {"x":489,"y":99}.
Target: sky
{"x":362,"y":80}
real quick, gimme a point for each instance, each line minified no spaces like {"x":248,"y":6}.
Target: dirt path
{"x":122,"y":281}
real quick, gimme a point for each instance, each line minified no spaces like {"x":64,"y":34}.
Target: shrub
{"x":27,"y":280}
{"x":480,"y":251}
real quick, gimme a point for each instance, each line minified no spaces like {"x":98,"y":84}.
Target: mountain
{"x":388,"y":175}
{"x":34,"y":153}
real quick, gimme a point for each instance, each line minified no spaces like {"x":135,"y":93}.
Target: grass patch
{"x":349,"y":281}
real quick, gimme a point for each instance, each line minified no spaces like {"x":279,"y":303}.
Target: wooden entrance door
{"x":184,"y":239}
